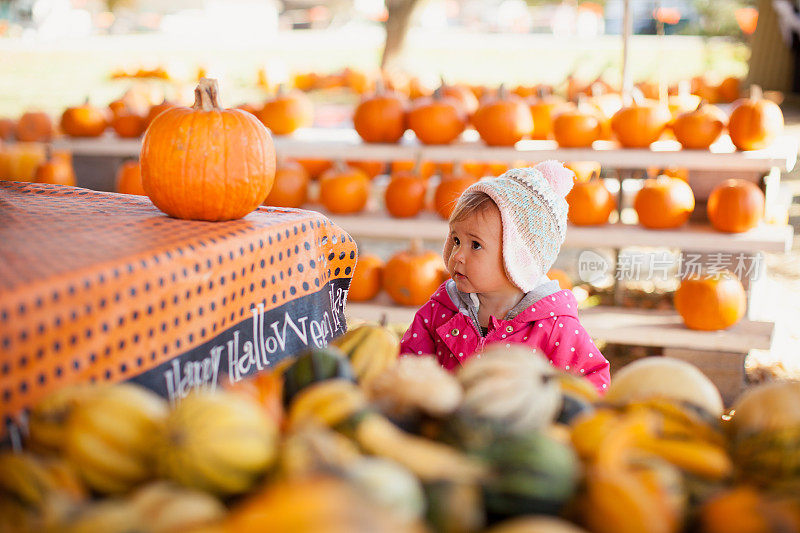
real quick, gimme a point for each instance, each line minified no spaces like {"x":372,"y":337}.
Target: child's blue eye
{"x":476,"y":245}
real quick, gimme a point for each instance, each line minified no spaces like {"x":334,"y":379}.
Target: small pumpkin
{"x":129,"y":178}
{"x":287,"y":112}
{"x":543,"y":108}
{"x":405,"y":194}
{"x":343,"y":189}
{"x":57,"y":169}
{"x":157,"y":110}
{"x":34,"y":126}
{"x":710,"y":302}
{"x":425,"y":169}
{"x":128,"y":124}
{"x":448,"y":192}
{"x":755,"y":122}
{"x":590,"y":203}
{"x":699,"y":129}
{"x":411,"y":276}
{"x":290,"y":188}
{"x":463,"y":95}
{"x":664,"y":203}
{"x":367,"y":278}
{"x":728,"y":89}
{"x":315,"y":167}
{"x":577,"y":127}
{"x":437,"y":120}
{"x":84,"y":121}
{"x":640,"y":124}
{"x":735,"y":206}
{"x":372,"y":169}
{"x":227,"y":165}
{"x":503,"y":120}
{"x":380,"y":118}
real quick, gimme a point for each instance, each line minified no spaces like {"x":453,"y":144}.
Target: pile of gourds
{"x":353,"y":438}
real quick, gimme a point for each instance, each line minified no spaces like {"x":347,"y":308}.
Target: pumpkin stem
{"x":700,"y":104}
{"x":384,"y":320}
{"x":502,"y":92}
{"x":380,"y":86}
{"x":437,"y":94}
{"x":416,"y":246}
{"x":206,"y":95}
{"x":542,"y":92}
{"x":756,"y":93}
{"x":442,"y":83}
{"x":340,"y":165}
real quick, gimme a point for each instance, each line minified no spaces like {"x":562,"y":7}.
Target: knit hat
{"x":533,"y":211}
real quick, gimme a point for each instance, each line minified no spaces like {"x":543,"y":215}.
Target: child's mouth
{"x":459,"y":276}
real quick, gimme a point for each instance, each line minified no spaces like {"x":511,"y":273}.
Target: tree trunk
{"x":397,"y":24}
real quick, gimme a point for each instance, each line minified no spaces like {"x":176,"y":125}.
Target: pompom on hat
{"x":533,"y":209}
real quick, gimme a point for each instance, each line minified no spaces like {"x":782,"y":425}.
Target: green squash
{"x":311,"y":366}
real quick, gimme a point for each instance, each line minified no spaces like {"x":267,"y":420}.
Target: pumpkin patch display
{"x":699,"y":129}
{"x":411,"y":276}
{"x":84,"y":121}
{"x":287,"y":112}
{"x":437,"y":119}
{"x":290,"y":188}
{"x":755,"y":122}
{"x":503,"y":120}
{"x":710,"y":302}
{"x":405,"y":194}
{"x":367,"y":278}
{"x":380,"y":118}
{"x":344,"y":189}
{"x":664,"y":203}
{"x":640,"y":124}
{"x":225,"y":169}
{"x":735,"y":206}
{"x":34,"y":126}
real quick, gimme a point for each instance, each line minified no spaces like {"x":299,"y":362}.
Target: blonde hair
{"x":468,"y":203}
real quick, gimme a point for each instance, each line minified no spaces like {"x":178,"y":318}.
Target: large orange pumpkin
{"x":290,"y":188}
{"x":34,"y":126}
{"x":286,"y":112}
{"x":206,"y":163}
{"x":735,"y":206}
{"x":710,"y":302}
{"x":640,"y":124}
{"x":405,"y":194}
{"x":410,"y":277}
{"x":343,"y":189}
{"x":664,"y":203}
{"x":699,"y":129}
{"x":367,"y":278}
{"x":84,"y":121}
{"x":503,"y":120}
{"x":449,"y":190}
{"x":590,"y":203}
{"x":577,"y":127}
{"x":437,"y":120}
{"x":380,"y":118}
{"x":128,"y":124}
{"x":755,"y":122}
{"x":129,"y":178}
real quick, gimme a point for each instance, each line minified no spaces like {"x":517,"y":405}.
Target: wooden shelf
{"x":320,"y":143}
{"x":635,"y":327}
{"x":692,"y":237}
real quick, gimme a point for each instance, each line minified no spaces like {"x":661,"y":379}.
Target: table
{"x":104,"y":287}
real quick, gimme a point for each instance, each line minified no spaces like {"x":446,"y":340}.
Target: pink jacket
{"x":550,"y":325}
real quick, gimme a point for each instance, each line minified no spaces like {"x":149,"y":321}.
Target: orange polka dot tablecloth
{"x":104,"y":287}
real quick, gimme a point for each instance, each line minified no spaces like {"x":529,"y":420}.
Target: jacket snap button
{"x":454,"y":332}
{"x":509,"y":329}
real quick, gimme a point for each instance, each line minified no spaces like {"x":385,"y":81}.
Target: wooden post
{"x":627,"y":76}
{"x":771,"y":60}
{"x":397,"y":24}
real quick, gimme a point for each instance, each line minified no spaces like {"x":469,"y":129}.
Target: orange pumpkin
{"x":561,"y":277}
{"x":728,"y":89}
{"x":315,"y":167}
{"x":436,"y":120}
{"x":34,"y":126}
{"x":371,"y":168}
{"x":503,"y":120}
{"x":418,"y":89}
{"x":355,"y":80}
{"x":405,"y":194}
{"x":56,"y":170}
{"x":495,"y":168}
{"x":157,"y":110}
{"x":706,"y":91}
{"x":424,"y":169}
{"x":128,"y":124}
{"x":735,"y":206}
{"x":380,"y":118}
{"x":664,"y":203}
{"x":755,"y":122}
{"x":84,"y":121}
{"x":577,"y":127}
{"x":290,"y":188}
{"x":710,"y":302}
{"x":225,"y":169}
{"x":286,"y":112}
{"x":590,"y":203}
{"x":640,"y":124}
{"x":699,"y":129}
{"x":448,"y":192}
{"x":7,"y":129}
{"x":343,"y":189}
{"x":367,"y":278}
{"x":129,"y":178}
{"x":543,"y":108}
{"x":461,"y":94}
{"x":410,"y":277}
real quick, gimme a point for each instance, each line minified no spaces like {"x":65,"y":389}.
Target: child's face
{"x":476,"y":259}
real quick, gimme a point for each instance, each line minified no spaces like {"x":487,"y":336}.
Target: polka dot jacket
{"x":550,"y":325}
